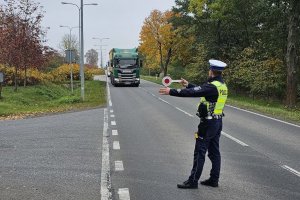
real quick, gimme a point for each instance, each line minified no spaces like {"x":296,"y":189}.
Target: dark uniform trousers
{"x":209,"y":132}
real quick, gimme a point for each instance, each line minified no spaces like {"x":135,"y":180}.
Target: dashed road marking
{"x":111,"y":111}
{"x":119,"y":165}
{"x":116,"y":145}
{"x":114,"y":132}
{"x":234,"y":139}
{"x":112,"y":116}
{"x":291,"y":170}
{"x":184,"y":112}
{"x":124,"y":194}
{"x":164,"y":100}
{"x":113,"y":123}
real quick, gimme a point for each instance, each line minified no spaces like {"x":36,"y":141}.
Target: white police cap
{"x":217,"y":65}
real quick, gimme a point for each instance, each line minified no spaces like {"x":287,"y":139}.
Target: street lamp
{"x":80,"y":10}
{"x":70,"y":53}
{"x":100,"y":39}
{"x":101,"y":57}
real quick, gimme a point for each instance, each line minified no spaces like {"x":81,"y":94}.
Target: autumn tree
{"x":92,"y":57}
{"x":20,"y":41}
{"x":157,"y":39}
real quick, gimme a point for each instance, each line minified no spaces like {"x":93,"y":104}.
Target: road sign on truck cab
{"x":124,"y":66}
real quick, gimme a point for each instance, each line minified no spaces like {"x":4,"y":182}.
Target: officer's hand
{"x":184,"y":82}
{"x":164,"y":91}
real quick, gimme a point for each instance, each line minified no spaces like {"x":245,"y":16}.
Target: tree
{"x":70,"y":43}
{"x":231,"y":29}
{"x":157,"y":39}
{"x":92,"y":57}
{"x":20,"y":41}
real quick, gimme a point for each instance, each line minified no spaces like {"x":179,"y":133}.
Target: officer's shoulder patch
{"x":197,"y":88}
{"x":178,"y":90}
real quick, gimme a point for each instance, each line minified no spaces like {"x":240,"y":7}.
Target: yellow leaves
{"x":60,"y":74}
{"x":197,"y":6}
{"x":156,"y":37}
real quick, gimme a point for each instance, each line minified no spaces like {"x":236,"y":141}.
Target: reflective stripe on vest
{"x":217,"y":107}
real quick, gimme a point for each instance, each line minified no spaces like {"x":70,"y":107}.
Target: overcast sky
{"x":119,"y":20}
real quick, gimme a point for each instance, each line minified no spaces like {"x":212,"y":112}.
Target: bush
{"x":58,"y":75}
{"x":62,"y":73}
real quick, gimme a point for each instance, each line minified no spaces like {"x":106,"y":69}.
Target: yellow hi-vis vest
{"x":218,"y":107}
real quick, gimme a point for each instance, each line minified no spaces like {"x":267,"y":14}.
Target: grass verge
{"x":272,"y":109}
{"x":50,"y":98}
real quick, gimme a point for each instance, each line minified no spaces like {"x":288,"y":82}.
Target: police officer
{"x":210,"y":111}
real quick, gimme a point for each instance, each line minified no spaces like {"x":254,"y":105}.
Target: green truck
{"x":124,"y":67}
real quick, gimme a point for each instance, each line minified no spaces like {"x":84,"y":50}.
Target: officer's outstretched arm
{"x":199,"y":91}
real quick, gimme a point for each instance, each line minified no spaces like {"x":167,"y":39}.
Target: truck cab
{"x":125,"y":67}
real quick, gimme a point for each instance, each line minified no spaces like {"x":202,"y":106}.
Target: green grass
{"x":272,"y":109}
{"x":50,"y":98}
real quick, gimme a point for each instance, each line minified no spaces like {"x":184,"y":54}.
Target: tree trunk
{"x":291,"y":55}
{"x":169,"y":55}
{"x":16,"y":79}
{"x":25,"y":76}
{"x":161,"y":59}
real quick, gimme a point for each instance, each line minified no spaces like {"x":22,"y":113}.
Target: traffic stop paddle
{"x":167,"y":81}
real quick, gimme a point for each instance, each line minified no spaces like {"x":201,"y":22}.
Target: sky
{"x":119,"y":20}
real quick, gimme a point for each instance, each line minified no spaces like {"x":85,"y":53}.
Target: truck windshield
{"x":127,"y":64}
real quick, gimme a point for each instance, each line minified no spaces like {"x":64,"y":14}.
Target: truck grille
{"x":127,"y":77}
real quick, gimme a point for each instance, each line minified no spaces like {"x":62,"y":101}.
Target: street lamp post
{"x":100,"y":39}
{"x":70,"y":53}
{"x":80,"y":9}
{"x":101,"y":57}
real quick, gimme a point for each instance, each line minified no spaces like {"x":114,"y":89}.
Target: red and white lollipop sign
{"x":167,"y":81}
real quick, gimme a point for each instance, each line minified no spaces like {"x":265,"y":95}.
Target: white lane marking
{"x":116,"y":145}
{"x":291,"y":170}
{"x":234,"y":139}
{"x":111,"y":111}
{"x":184,"y":112}
{"x":113,"y":123}
{"x":119,"y":165}
{"x":278,"y":120}
{"x":112,"y":115}
{"x":164,"y":100}
{"x":188,"y":114}
{"x":105,"y":169}
{"x":124,"y":194}
{"x":108,"y":94}
{"x":114,"y":132}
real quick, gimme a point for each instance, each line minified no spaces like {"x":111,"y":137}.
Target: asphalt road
{"x":260,"y":156}
{"x":54,"y":157}
{"x":140,"y":147}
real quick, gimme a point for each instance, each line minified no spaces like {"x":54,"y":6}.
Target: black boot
{"x":210,"y":182}
{"x":188,"y":185}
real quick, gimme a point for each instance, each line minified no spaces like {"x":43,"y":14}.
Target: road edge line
{"x":261,"y":115}
{"x":105,"y":193}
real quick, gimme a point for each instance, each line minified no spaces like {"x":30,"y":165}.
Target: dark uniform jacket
{"x":207,"y":90}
